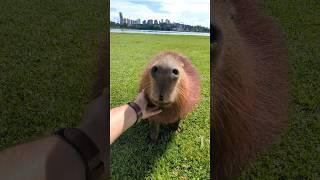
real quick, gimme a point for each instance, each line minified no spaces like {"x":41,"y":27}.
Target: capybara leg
{"x":175,"y":126}
{"x":154,"y":132}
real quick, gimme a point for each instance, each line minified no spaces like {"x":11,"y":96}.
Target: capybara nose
{"x":160,"y":98}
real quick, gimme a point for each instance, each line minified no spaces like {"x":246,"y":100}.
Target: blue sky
{"x":193,"y":12}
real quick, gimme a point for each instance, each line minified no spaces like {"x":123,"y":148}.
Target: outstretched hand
{"x":143,"y":104}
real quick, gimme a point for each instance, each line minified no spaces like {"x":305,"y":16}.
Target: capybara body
{"x":250,"y":84}
{"x":171,"y":83}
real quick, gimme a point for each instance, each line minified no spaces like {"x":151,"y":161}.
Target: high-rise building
{"x":155,"y":21}
{"x":144,"y":22}
{"x":121,"y":18}
{"x":150,"y":21}
{"x":167,"y":21}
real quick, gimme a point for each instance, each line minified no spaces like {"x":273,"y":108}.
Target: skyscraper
{"x":121,"y":18}
{"x":150,"y":21}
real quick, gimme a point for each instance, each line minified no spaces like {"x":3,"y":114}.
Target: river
{"x":158,"y":32}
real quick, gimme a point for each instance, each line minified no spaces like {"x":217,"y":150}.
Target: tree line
{"x":161,"y":27}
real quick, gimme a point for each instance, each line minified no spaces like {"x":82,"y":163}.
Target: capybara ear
{"x":250,"y":86}
{"x":181,"y":63}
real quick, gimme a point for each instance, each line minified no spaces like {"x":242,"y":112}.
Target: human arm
{"x":123,"y":117}
{"x":53,"y":158}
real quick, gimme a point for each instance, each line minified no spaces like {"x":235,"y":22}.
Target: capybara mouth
{"x":159,"y":103}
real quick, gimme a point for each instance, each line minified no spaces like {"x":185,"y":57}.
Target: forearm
{"x":53,"y":158}
{"x":121,"y":118}
{"x":48,"y":158}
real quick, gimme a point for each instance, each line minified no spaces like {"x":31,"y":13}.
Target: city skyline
{"x":154,"y":24}
{"x":127,"y":20}
{"x":191,"y":12}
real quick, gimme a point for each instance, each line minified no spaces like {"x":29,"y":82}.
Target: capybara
{"x":171,"y":83}
{"x":250,"y":85}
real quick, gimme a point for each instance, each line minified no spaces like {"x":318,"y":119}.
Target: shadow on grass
{"x":132,"y":157}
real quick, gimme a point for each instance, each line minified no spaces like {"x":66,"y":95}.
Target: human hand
{"x":142,"y":103}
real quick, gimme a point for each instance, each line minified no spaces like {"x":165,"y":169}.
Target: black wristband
{"x":87,"y":150}
{"x":137,"y":109}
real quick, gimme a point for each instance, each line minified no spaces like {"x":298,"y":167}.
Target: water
{"x":158,"y":32}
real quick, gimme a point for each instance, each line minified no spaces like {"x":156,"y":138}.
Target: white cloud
{"x":193,"y":12}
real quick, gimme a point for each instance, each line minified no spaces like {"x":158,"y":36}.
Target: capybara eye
{"x":175,"y":71}
{"x":154,"y":69}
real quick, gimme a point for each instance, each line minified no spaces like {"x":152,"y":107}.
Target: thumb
{"x":154,"y":112}
{"x":153,"y":109}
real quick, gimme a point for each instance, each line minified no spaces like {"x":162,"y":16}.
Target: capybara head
{"x":171,"y":83}
{"x":165,"y":75}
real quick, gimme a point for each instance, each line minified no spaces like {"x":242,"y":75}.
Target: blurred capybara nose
{"x":160,"y":98}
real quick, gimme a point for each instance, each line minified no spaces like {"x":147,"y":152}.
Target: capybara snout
{"x":165,"y":78}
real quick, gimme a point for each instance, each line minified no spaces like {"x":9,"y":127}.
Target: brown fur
{"x":188,"y":90}
{"x":250,"y":85}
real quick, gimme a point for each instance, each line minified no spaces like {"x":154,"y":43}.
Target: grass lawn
{"x":47,"y":60}
{"x":298,"y":155}
{"x":47,"y":55}
{"x":184,"y":156}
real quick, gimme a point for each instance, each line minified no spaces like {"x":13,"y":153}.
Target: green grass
{"x":185,"y":155}
{"x":46,"y":67}
{"x":298,"y":155}
{"x":47,"y":59}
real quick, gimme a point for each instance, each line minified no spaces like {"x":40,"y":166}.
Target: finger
{"x":141,"y":100}
{"x":142,"y":91}
{"x":153,"y":108}
{"x":152,"y":113}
